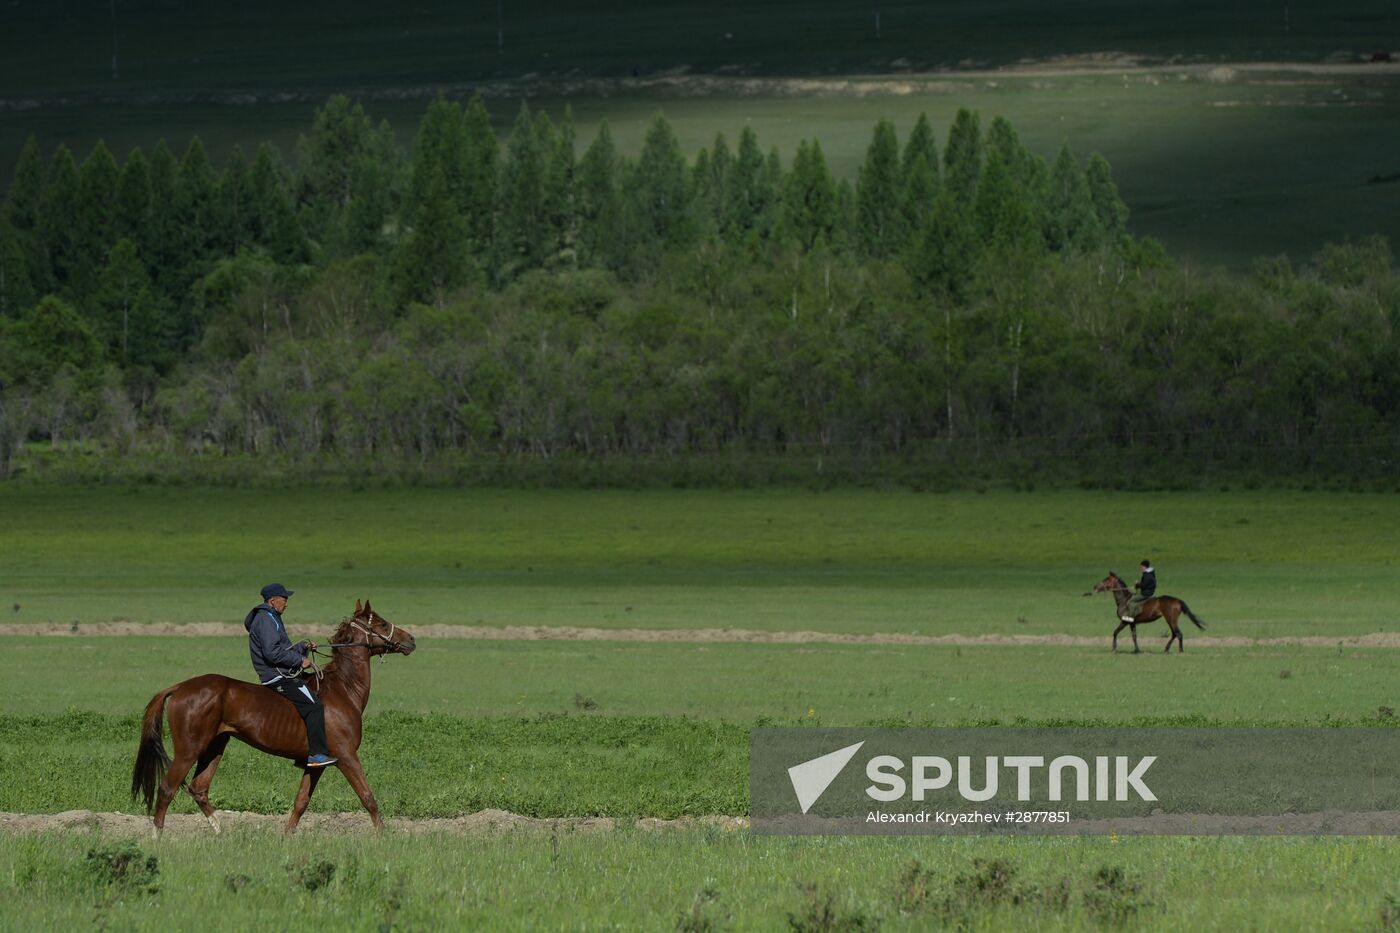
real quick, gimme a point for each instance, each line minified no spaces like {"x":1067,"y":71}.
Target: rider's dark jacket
{"x":272,"y":651}
{"x":1148,"y":584}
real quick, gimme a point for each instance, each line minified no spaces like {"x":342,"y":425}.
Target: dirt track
{"x":484,"y":822}
{"x":492,"y":822}
{"x":711,"y":635}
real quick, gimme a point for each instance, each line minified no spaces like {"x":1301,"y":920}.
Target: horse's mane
{"x":344,"y":634}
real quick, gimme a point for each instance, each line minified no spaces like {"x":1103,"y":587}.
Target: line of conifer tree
{"x":523,"y":298}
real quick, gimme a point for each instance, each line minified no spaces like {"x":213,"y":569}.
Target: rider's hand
{"x":305,"y":663}
{"x":310,"y":646}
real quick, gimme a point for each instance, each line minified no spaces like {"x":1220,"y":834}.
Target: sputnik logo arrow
{"x":811,"y":778}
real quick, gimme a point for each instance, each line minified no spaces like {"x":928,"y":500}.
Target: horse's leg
{"x":204,"y":776}
{"x":1136,"y":649}
{"x":309,"y":779}
{"x":1175,"y":630}
{"x":1121,"y":625}
{"x":349,"y":766}
{"x":179,"y":767}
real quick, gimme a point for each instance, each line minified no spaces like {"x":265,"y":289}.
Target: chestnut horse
{"x":206,"y":711}
{"x":1158,"y":607}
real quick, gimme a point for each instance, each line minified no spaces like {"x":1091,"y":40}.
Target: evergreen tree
{"x":658,"y":192}
{"x":810,"y":208}
{"x":560,"y":170}
{"x":1109,"y":208}
{"x":879,"y":220}
{"x":1002,"y":214}
{"x":160,"y":243}
{"x":920,"y":143}
{"x":749,"y":196}
{"x":126,"y":318}
{"x":944,"y":262}
{"x":233,"y":213}
{"x":1072,"y":224}
{"x":97,"y":192}
{"x":525,"y":238}
{"x":601,"y":234}
{"x":16,"y":291}
{"x":58,"y":224}
{"x":273,"y":224}
{"x":439,"y":148}
{"x":195,"y":212}
{"x":433,"y":259}
{"x":346,"y":181}
{"x":711,"y":185}
{"x":962,"y":160}
{"x":26,"y":189}
{"x":920,"y":191}
{"x":481,"y":175}
{"x":132,"y":213}
{"x":22,"y":210}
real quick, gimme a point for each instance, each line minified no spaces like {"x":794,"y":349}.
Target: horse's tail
{"x":151,"y":759}
{"x":1191,"y":615}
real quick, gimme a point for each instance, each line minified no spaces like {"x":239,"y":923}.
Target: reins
{"x":390,"y":643}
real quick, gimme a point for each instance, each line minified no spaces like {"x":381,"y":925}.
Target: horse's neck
{"x":1120,"y":595}
{"x":352,"y":668}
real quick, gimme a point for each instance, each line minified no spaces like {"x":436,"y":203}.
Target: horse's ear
{"x":367,"y":605}
{"x":357,"y":607}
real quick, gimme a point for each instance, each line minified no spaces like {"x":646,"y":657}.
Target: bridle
{"x":390,"y":642}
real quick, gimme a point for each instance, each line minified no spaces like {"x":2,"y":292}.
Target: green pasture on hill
{"x":704,"y":880}
{"x":1221,"y":166}
{"x":1255,"y":564}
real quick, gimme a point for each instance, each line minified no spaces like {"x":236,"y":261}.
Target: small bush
{"x":1112,"y":897}
{"x":821,"y":914}
{"x":122,"y":865}
{"x":706,"y":914}
{"x":314,"y":875}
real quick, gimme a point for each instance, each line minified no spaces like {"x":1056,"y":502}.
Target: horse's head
{"x":379,"y":634}
{"x":1108,"y":584}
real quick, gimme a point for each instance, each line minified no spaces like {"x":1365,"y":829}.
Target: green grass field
{"x":625,"y":729}
{"x":647,"y":881}
{"x":1255,"y":564}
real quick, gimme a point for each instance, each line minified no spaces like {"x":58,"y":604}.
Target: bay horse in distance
{"x":206,"y":711}
{"x":1158,"y":607}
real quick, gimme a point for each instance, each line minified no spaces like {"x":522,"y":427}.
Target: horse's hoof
{"x":214,"y":823}
{"x":155,"y":833}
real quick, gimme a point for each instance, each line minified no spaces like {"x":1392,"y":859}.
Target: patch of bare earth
{"x":483,"y":822}
{"x":704,"y":635}
{"x":497,"y":822}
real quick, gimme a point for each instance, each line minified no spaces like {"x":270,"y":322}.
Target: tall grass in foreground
{"x":694,"y":880}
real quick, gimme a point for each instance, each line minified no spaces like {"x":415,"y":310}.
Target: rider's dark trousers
{"x":309,"y":706}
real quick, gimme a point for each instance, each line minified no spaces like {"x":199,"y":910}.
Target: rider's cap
{"x":275,"y":589}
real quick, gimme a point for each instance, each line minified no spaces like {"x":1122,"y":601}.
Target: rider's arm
{"x":272,"y":644}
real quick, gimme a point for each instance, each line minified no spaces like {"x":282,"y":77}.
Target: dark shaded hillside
{"x":68,"y":47}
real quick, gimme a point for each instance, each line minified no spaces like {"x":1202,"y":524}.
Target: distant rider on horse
{"x":280,"y":665}
{"x":1146,"y":587}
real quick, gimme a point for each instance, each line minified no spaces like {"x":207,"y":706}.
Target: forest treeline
{"x":537,"y":304}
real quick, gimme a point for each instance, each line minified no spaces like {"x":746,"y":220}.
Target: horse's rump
{"x":202,"y":707}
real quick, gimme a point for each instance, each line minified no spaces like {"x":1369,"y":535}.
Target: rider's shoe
{"x":319,"y":761}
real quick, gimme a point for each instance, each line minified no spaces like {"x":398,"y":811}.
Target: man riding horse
{"x":1146,"y":587}
{"x":280,"y":664}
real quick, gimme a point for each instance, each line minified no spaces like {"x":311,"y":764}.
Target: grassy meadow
{"x":1255,"y":564}
{"x":627,"y":729}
